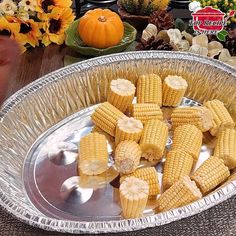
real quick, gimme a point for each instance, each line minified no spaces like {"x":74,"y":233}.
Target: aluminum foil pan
{"x":42,"y":114}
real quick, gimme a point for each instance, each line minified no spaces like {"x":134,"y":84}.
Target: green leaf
{"x":179,"y":24}
{"x":222,"y":35}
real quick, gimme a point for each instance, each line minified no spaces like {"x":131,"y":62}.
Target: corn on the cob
{"x":149,"y":175}
{"x":133,"y":197}
{"x":201,"y":117}
{"x":177,"y":165}
{"x":106,"y":117}
{"x":128,"y":128}
{"x":93,"y":154}
{"x":153,"y":140}
{"x":149,"y":89}
{"x":121,"y":93}
{"x":188,"y":138}
{"x":226,"y":147}
{"x":146,"y":111}
{"x":97,"y":181}
{"x":221,"y":116}
{"x":181,"y":193}
{"x":210,"y":174}
{"x":174,"y":88}
{"x":96,"y":129}
{"x":127,"y":156}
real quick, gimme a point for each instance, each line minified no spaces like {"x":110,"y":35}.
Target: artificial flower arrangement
{"x":35,"y":22}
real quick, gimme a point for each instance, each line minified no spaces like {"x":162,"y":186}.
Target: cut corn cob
{"x":149,"y":175}
{"x":183,"y":192}
{"x":127,"y":156}
{"x":128,"y":128}
{"x":106,"y":117}
{"x":210,"y":174}
{"x":133,"y":197}
{"x":145,"y":112}
{"x":201,"y":117}
{"x":226,"y":147}
{"x":221,"y":117}
{"x":121,"y":93}
{"x":174,"y":88}
{"x":177,"y":165}
{"x":149,"y":89}
{"x":96,"y":129}
{"x":188,"y":138}
{"x":93,"y":154}
{"x":153,"y":140}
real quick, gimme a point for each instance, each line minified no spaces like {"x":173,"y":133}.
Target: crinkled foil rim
{"x":52,"y":224}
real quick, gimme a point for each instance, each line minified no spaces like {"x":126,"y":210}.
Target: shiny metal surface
{"x":36,"y":114}
{"x":58,"y":189}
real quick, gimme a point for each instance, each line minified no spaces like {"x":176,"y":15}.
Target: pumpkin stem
{"x":102,"y":18}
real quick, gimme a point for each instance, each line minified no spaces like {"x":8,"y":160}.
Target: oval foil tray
{"x":42,"y":124}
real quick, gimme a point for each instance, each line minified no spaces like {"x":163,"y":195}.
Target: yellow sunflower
{"x":29,"y":31}
{"x":46,"y":5}
{"x":10,"y":28}
{"x":54,"y":25}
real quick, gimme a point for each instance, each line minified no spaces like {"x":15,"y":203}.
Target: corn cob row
{"x":106,"y":116}
{"x":121,"y":94}
{"x":188,"y":138}
{"x":221,"y":116}
{"x":96,"y":129}
{"x":93,"y":154}
{"x":226,"y":147}
{"x":127,"y":156}
{"x":149,"y":89}
{"x":177,"y":165}
{"x":149,"y":175}
{"x":174,"y":88}
{"x":201,"y":117}
{"x":210,"y":174}
{"x":183,"y":192}
{"x":153,"y":140}
{"x":133,"y":197}
{"x":128,"y":128}
{"x":145,"y":112}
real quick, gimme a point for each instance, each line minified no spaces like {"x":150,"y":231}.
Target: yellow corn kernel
{"x":221,"y":117}
{"x":96,"y":129}
{"x":128,"y":128}
{"x":181,"y":193}
{"x":177,"y":165}
{"x":149,"y":175}
{"x":153,"y":140}
{"x":121,"y":94}
{"x":146,"y":111}
{"x":226,"y":147}
{"x":149,"y":89}
{"x":174,"y":88}
{"x":93,"y":154}
{"x":188,"y":138}
{"x":127,"y":156}
{"x":210,"y":174}
{"x":106,"y":116}
{"x":201,"y":117}
{"x":133,"y":197}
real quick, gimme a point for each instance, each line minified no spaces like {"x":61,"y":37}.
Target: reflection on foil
{"x":63,"y":153}
{"x":73,"y":193}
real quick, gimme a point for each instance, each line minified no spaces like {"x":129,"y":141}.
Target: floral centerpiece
{"x":35,"y":22}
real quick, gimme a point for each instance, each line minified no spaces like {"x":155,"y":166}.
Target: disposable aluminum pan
{"x":42,"y":124}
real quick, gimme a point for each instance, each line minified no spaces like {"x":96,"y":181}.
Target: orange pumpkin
{"x":101,"y":28}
